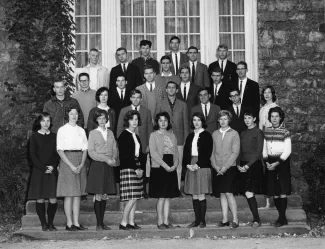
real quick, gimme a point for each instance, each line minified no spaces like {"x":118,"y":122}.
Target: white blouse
{"x":71,"y":138}
{"x":103,"y":132}
{"x":195,"y":151}
{"x":137,"y":144}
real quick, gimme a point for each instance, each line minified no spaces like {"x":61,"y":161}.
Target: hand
{"x":173,"y":168}
{"x":139,"y":173}
{"x":195,"y":167}
{"x":242,"y":169}
{"x":222,"y":171}
{"x":75,"y":169}
{"x":147,"y":150}
{"x":168,"y":169}
{"x":271,"y":166}
{"x":110,"y":161}
{"x":49,"y":169}
{"x":190,"y":167}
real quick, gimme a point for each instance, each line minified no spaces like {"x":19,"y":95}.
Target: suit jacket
{"x":132,"y":76}
{"x":237,"y":123}
{"x":201,"y":78}
{"x":102,"y":76}
{"x":192,"y":98}
{"x":222,"y":99}
{"x":184,"y":58}
{"x":178,"y":119}
{"x":212,"y":120}
{"x":145,"y":129}
{"x":229,"y":74}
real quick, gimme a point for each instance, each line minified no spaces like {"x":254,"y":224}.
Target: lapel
{"x":179,"y":95}
{"x":246,"y":87}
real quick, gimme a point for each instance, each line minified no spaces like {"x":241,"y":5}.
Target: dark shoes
{"x":202,"y":224}
{"x":80,"y":228}
{"x":45,"y":227}
{"x":52,"y":228}
{"x":234,"y":224}
{"x":72,"y":228}
{"x":221,"y":224}
{"x":133,"y":227}
{"x":162,"y":226}
{"x":121,"y":227}
{"x":104,"y":227}
{"x":193,"y":224}
{"x":279,"y":223}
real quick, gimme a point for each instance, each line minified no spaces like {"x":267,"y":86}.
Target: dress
{"x":73,"y":141}
{"x":43,"y":153}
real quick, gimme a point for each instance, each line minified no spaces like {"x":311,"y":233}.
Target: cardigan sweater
{"x":93,"y":125}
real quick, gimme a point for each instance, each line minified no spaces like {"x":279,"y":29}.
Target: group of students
{"x":145,"y":133}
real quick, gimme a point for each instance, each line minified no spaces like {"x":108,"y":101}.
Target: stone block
{"x":298,"y":16}
{"x":304,"y":63}
{"x":267,"y":16}
{"x":315,"y":36}
{"x":274,"y":64}
{"x":289,"y":64}
{"x":280,"y":37}
{"x":290,"y":82}
{"x":318,"y":5}
{"x":320,"y":46}
{"x":283,"y":5}
{"x":280,"y":53}
{"x":266,"y":39}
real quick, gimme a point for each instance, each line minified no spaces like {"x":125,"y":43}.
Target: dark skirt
{"x":101,"y":179}
{"x":252,"y":179}
{"x":198,"y":182}
{"x":163,"y":184}
{"x":225,"y":183}
{"x":279,"y":179}
{"x":131,"y":187}
{"x":42,"y":186}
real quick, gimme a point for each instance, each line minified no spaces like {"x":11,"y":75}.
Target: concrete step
{"x":153,"y":232}
{"x":113,"y":204}
{"x":176,"y":217}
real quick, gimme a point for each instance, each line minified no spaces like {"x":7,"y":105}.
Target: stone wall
{"x":292,"y":59}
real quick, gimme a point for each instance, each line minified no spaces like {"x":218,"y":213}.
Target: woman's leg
{"x":224,"y":207}
{"x":282,"y":202}
{"x":102,"y":210}
{"x":51,"y":210}
{"x":252,"y":203}
{"x":132,"y":213}
{"x":166,"y":211}
{"x":160,"y":210}
{"x":196,"y":207}
{"x":76,"y":210}
{"x":233,"y":206}
{"x":40,"y":210}
{"x":68,"y":210}
{"x":97,"y":209}
{"x":203,"y":209}
{"x":126,"y":212}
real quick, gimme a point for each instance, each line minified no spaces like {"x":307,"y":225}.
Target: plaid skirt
{"x":131,"y":187}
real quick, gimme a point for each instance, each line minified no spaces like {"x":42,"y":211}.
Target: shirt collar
{"x":87,"y":90}
{"x":168,"y":75}
{"x":106,"y":108}
{"x":224,"y":62}
{"x":44,"y":133}
{"x":198,"y":132}
{"x":133,"y":107}
{"x":208,"y":104}
{"x":223,"y":132}
{"x":120,"y":90}
{"x":185,"y":82}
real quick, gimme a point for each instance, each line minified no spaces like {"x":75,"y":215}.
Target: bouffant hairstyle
{"x":272,"y":91}
{"x":129,"y":116}
{"x":158,"y":116}
{"x":225,"y":113}
{"x":68,"y":110}
{"x":39,"y":118}
{"x":98,"y":113}
{"x":278,"y":110}
{"x":100,"y":91}
{"x":201,"y":117}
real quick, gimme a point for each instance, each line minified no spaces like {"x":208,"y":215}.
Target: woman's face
{"x":275,"y":119}
{"x":45,"y":123}
{"x":162,"y":122}
{"x":103,"y":97}
{"x":224,"y":121}
{"x":197,"y":123}
{"x":249,"y":121}
{"x":268,"y":95}
{"x":101,"y":120}
{"x":73,"y":116}
{"x":133,"y":123}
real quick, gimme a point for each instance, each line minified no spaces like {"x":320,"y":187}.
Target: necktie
{"x":240,"y":86}
{"x":215,"y":93}
{"x":222,"y":66}
{"x":136,"y":108}
{"x":124,"y":69}
{"x":184,"y":95}
{"x":122,"y":97}
{"x":237,"y":111}
{"x":206,"y":111}
{"x":150,"y":87}
{"x":193,"y":72}
{"x":176,"y":63}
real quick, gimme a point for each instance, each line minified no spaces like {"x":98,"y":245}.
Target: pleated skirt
{"x":252,"y":180}
{"x":42,"y":186}
{"x":131,"y":187}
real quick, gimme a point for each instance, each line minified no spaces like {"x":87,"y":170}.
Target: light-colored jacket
{"x":102,"y":76}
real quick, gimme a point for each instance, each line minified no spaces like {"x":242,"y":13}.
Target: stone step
{"x":153,"y":232}
{"x":113,"y":204}
{"x":176,"y":217}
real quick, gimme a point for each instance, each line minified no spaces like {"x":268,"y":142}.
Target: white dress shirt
{"x":195,"y":151}
{"x":178,"y":60}
{"x":133,"y":108}
{"x":126,"y":66}
{"x":235,"y":108}
{"x":153,"y":85}
{"x":242,"y":88}
{"x":208,"y":108}
{"x":223,"y":65}
{"x":187,"y":88}
{"x":119,"y":91}
{"x":137,"y":144}
{"x":216,"y":86}
{"x":93,"y":78}
{"x":191,"y":66}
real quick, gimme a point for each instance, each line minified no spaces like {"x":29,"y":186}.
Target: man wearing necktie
{"x":177,"y":58}
{"x":237,"y":111}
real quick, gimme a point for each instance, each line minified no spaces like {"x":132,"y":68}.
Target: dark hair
{"x":83,"y":74}
{"x":128,"y":116}
{"x":136,"y":91}
{"x":39,"y":118}
{"x":272,"y":91}
{"x":225,"y":113}
{"x":59,"y":79}
{"x":234,"y":89}
{"x":175,"y":38}
{"x":121,"y":49}
{"x":204,"y":89}
{"x":68,"y":109}
{"x":94,"y":49}
{"x":222,"y":46}
{"x":98,"y":113}
{"x":216,"y":70}
{"x":242,"y":63}
{"x":250,"y":112}
{"x":148,"y":67}
{"x":184,"y":67}
{"x":145,"y":43}
{"x":201,"y":117}
{"x":120,"y":75}
{"x":100,"y":91}
{"x":192,"y":47}
{"x":165,"y":57}
{"x":162,"y":114}
{"x":278,"y":110}
{"x":172,"y":82}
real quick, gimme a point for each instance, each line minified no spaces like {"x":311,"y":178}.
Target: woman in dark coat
{"x":44,"y":174}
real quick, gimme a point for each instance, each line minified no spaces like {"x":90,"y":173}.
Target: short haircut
{"x":192,"y":47}
{"x":121,"y":49}
{"x":129,"y":116}
{"x":172,"y":82}
{"x":250,"y":112}
{"x":175,"y":38}
{"x":136,"y":91}
{"x":121,"y":75}
{"x":204,"y":89}
{"x":233,"y":89}
{"x":216,"y":70}
{"x":100,"y":91}
{"x":145,"y":43}
{"x":242,"y":63}
{"x":162,"y":114}
{"x":68,"y":109}
{"x":222,"y":46}
{"x":94,"y":50}
{"x":184,"y":67}
{"x":225,"y":113}
{"x":98,"y":113}
{"x":165,"y":57}
{"x":59,"y":79}
{"x":272,"y":91}
{"x":83,"y":74}
{"x":39,"y":118}
{"x":201,"y":117}
{"x":148,"y":67}
{"x":278,"y":110}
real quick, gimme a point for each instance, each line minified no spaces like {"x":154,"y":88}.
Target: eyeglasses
{"x":233,"y":96}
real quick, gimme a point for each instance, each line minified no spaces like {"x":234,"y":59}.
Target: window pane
{"x":136,"y":54}
{"x":125,"y":7}
{"x":224,"y":7}
{"x":226,"y":39}
{"x":126,"y":25}
{"x":239,"y":41}
{"x":81,"y":24}
{"x":195,"y":41}
{"x":151,"y":25}
{"x":136,"y":41}
{"x":94,"y":7}
{"x":150,"y":7}
{"x":81,"y":42}
{"x":184,"y":42}
{"x":94,"y":24}
{"x":181,"y":7}
{"x":81,"y":59}
{"x":224,"y":25}
{"x":167,"y":39}
{"x":129,"y":56}
{"x":126,"y":41}
{"x":238,"y":23}
{"x":239,"y":56}
{"x":154,"y":55}
{"x":138,"y":8}
{"x":169,"y":7}
{"x":182,"y":25}
{"x":194,"y":25}
{"x":170,"y":25}
{"x":153,"y":39}
{"x":194,"y":9}
{"x":95,"y":41}
{"x":138,"y":25}
{"x":238,"y":7}
{"x":81,"y":7}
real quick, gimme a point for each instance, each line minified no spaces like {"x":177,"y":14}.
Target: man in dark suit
{"x":177,"y":57}
{"x":209,"y":110}
{"x":228,"y":67}
{"x":237,"y":110}
{"x":198,"y":71}
{"x":131,"y":72}
{"x":249,"y":90}
{"x":219,"y":90}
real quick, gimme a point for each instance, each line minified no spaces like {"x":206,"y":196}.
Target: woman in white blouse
{"x":268,"y":99}
{"x":72,"y":147}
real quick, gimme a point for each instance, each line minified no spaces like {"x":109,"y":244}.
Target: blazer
{"x":222,"y":99}
{"x":201,"y":78}
{"x":93,"y":125}
{"x":212,"y":120}
{"x":102,"y":76}
{"x":229,"y":74}
{"x":237,"y":123}
{"x":192,"y":98}
{"x":145,"y":129}
{"x":156,"y":145}
{"x":178,"y":119}
{"x":184,"y":58}
{"x":132,"y":76}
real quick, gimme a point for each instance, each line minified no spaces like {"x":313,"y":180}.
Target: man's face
{"x":222,"y":53}
{"x":174,"y":45}
{"x":171,"y":90}
{"x":120,"y":82}
{"x":121,"y":56}
{"x":216,"y":77}
{"x":94,"y":57}
{"x":59,"y":88}
{"x":204,"y":96}
{"x":241,"y":71}
{"x":234,"y":97}
{"x":165,"y":64}
{"x":145,"y":50}
{"x":192,"y":54}
{"x":185,"y":75}
{"x":136,"y":99}
{"x":149,"y":75}
{"x":84,"y":82}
